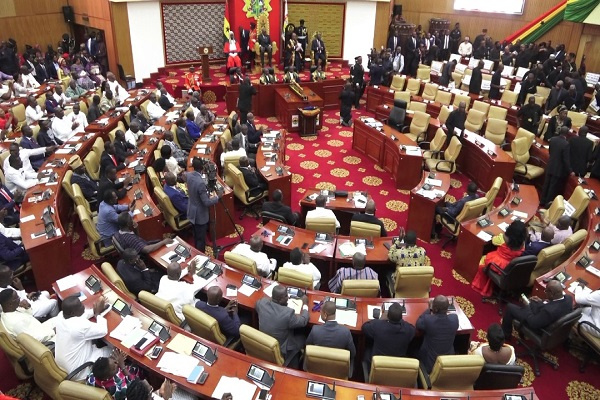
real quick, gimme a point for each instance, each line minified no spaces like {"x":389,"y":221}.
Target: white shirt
{"x":132,"y":138}
{"x":19,"y":179}
{"x":465,"y":49}
{"x":232,"y":154}
{"x":590,"y":314}
{"x":321,"y":212}
{"x":10,"y":232}
{"x":173,"y":166}
{"x":118,"y":91}
{"x":29,"y":81}
{"x":178,"y":293}
{"x":81,"y":119}
{"x":62,"y":97}
{"x":3,"y":89}
{"x":24,"y":155}
{"x":169,"y":97}
{"x":264,"y":265}
{"x":306,"y":269}
{"x":398,"y":63}
{"x":23,"y":321}
{"x":74,"y":342}
{"x":42,"y":307}
{"x":62,"y":128}
{"x":154,"y":110}
{"x":196,"y":111}
{"x":19,"y":88}
{"x":33,"y":114}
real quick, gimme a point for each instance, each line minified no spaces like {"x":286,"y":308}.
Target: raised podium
{"x":205,"y":51}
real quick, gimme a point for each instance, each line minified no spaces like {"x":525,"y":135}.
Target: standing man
{"x":245,"y":99}
{"x":466,"y":48}
{"x":445,"y":43}
{"x":558,"y":168}
{"x":302,"y":34}
{"x":199,"y":203}
{"x":411,"y":56}
{"x":318,"y":49}
{"x":455,"y":36}
{"x":439,"y":329}
{"x":581,"y":152}
{"x":496,"y":82}
{"x":476,"y":78}
{"x":244,"y":43}
{"x":357,"y":74}
{"x":529,"y":115}
{"x":394,"y":40}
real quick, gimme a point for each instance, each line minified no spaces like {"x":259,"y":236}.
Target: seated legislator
{"x":177,"y":196}
{"x":357,"y":271}
{"x":252,"y":250}
{"x":179,"y":154}
{"x":320,"y":211}
{"x":108,"y":101}
{"x":109,"y":181}
{"x":154,"y":109}
{"x":177,"y":292}
{"x":266,"y":78}
{"x":495,"y":351}
{"x":94,"y":111}
{"x":10,"y":203}
{"x":25,"y":156}
{"x":123,"y":148}
{"x":63,"y":127}
{"x":33,"y":112}
{"x":232,"y":49}
{"x":204,"y":118}
{"x":227,"y":317}
{"x":278,"y":320}
{"x":276,"y":206}
{"x":538,"y":313}
{"x":562,"y":230}
{"x":16,"y":319}
{"x":17,"y":178}
{"x":318,"y":75}
{"x":129,"y":239}
{"x":134,"y":134}
{"x":45,"y":136}
{"x":453,"y":209}
{"x":78,"y":119}
{"x":170,"y":162}
{"x":291,"y":76}
{"x":11,"y":253}
{"x":369,"y":217}
{"x":535,"y":246}
{"x":236,"y":152}
{"x":113,"y":375}
{"x":300,"y":262}
{"x":407,"y":254}
{"x":51,"y":103}
{"x":28,"y":142}
{"x":38,"y":303}
{"x":193,"y":129}
{"x":138,"y":116}
{"x":109,"y":157}
{"x":514,"y":240}
{"x":254,"y":182}
{"x":75,"y":335}
{"x":591,"y":309}
{"x":108,"y":215}
{"x":332,"y":334}
{"x":265,"y":46}
{"x":74,"y":91}
{"x":184,"y":139}
{"x":439,"y":329}
{"x":390,"y":334}
{"x":136,"y":275}
{"x":164,"y":101}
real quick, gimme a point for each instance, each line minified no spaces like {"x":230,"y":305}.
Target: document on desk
{"x":486,"y":237}
{"x":503,"y":225}
{"x":317,"y":249}
{"x":521,"y":215}
{"x":413,"y":150}
{"x":135,"y":336}
{"x":128,"y":324}
{"x":295,"y":304}
{"x":463,"y":321}
{"x":246,"y":290}
{"x":30,"y":217}
{"x":345,"y":317}
{"x":428,"y":194}
{"x":167,"y":257}
{"x":182,"y":344}
{"x":433,"y":182}
{"x":269,"y":289}
{"x":239,"y":388}
{"x":177,"y":364}
{"x":66,"y":283}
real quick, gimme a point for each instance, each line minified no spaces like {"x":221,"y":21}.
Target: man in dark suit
{"x":394,"y":40}
{"x":108,"y":181}
{"x":318,"y":49}
{"x":136,"y":276}
{"x":439,"y":329}
{"x":390,"y":334}
{"x":123,"y":148}
{"x":199,"y":203}
{"x":276,"y":206}
{"x":580,"y":152}
{"x":12,"y":254}
{"x":28,"y":142}
{"x":177,"y":196}
{"x":331,"y":334}
{"x":369,"y":217}
{"x":446,"y":77}
{"x":412,"y":49}
{"x":163,"y":101}
{"x":45,"y":136}
{"x":109,"y":157}
{"x":41,"y":74}
{"x":227,"y":317}
{"x":94,"y":111}
{"x":456,"y":120}
{"x":88,"y":186}
{"x":245,"y":99}
{"x":533,"y":248}
{"x":10,"y":203}
{"x":276,"y":319}
{"x":185,"y":141}
{"x":445,"y":43}
{"x":357,"y":74}
{"x":264,"y":41}
{"x":556,"y":96}
{"x":50,"y":103}
{"x":538,"y":314}
{"x":476,"y":77}
{"x":558,"y":167}
{"x":528,"y":86}
{"x":244,"y":41}
{"x":529,"y":115}
{"x":255,"y":184}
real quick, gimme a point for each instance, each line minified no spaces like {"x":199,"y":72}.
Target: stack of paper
{"x":503,"y":226}
{"x":239,"y":388}
{"x":64,"y":283}
{"x":177,"y":364}
{"x":126,"y":326}
{"x":348,"y":249}
{"x":486,"y":237}
{"x":317,"y":249}
{"x":345,"y":317}
{"x":295,"y":304}
{"x":182,"y":344}
{"x":269,"y":289}
{"x":246,"y":290}
{"x":433,"y":182}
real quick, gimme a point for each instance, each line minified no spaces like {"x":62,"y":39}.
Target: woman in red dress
{"x":513,"y":246}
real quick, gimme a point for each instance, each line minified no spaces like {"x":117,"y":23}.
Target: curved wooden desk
{"x":289,"y":383}
{"x":421,"y":212}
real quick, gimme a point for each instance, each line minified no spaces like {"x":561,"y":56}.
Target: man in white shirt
{"x":119,"y":91}
{"x":6,"y":91}
{"x":17,"y":178}
{"x":60,"y":96}
{"x":466,"y":48}
{"x":63,"y":127}
{"x":75,"y":333}
{"x":589,"y":314}
{"x":159,"y":86}
{"x":301,"y":262}
{"x":28,"y":79}
{"x":17,"y":320}
{"x":321,"y":212}
{"x":134,"y":134}
{"x":24,"y":155}
{"x":33,"y":112}
{"x":236,"y":152}
{"x":195,"y":106}
{"x":79,"y":118}
{"x":264,"y":264}
{"x":40,"y":303}
{"x":170,"y":161}
{"x":176,"y":291}
{"x":154,"y":110}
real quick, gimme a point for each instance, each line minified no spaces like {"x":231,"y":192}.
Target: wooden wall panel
{"x":120,"y":21}
{"x":382,"y":18}
{"x":32,"y":22}
{"x":327,"y":18}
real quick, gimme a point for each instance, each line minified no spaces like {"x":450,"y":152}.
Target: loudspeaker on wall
{"x":68,"y":14}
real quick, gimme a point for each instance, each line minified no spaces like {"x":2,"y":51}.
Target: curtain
{"x":578,"y":10}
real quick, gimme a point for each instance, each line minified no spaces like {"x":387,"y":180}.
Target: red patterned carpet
{"x":328,"y":162}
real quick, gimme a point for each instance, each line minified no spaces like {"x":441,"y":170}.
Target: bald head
{"x":440,"y":304}
{"x":72,"y":307}
{"x":358,"y":260}
{"x":547,"y":234}
{"x":256,"y":244}
{"x":554,"y":290}
{"x":564,"y":222}
{"x":328,"y":311}
{"x":370,"y":207}
{"x":174,"y":271}
{"x":280,"y":295}
{"x":214,"y":295}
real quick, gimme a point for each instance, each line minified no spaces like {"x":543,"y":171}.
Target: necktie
{"x":8,"y":198}
{"x":114,"y":160}
{"x":445,"y":42}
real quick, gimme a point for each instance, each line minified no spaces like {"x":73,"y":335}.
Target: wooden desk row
{"x":289,"y":383}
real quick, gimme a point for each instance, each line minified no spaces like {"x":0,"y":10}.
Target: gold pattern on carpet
{"x":396,"y":205}
{"x":577,"y":390}
{"x":309,"y":165}
{"x":467,"y":307}
{"x":459,"y":277}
